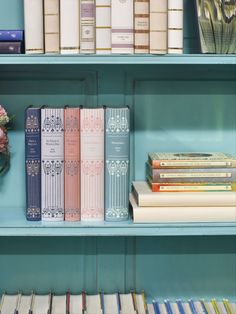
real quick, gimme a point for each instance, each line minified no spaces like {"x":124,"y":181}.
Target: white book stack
{"x":87,"y":26}
{"x":41,"y":304}
{"x":8,"y":304}
{"x":69,"y":26}
{"x":93,"y":304}
{"x":76,"y":306}
{"x":103,"y":26}
{"x":24,"y":305}
{"x":175,"y":26}
{"x":111,"y":304}
{"x":126,"y":304}
{"x":33,"y":19}
{"x":51,"y":26}
{"x":59,"y":304}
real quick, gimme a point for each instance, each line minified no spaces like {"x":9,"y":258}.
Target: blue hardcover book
{"x":180,"y":307}
{"x":33,"y":163}
{"x":11,"y":35}
{"x":191,"y":303}
{"x":117,"y":134}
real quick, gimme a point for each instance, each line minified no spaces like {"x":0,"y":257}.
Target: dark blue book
{"x":11,"y":35}
{"x":10,"y":47}
{"x":33,"y":163}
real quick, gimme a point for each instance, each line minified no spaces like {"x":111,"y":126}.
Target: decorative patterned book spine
{"x":158,"y":26}
{"x":51,"y":26}
{"x":10,"y":47}
{"x":103,"y":26}
{"x":52,"y":156}
{"x":141,"y":26}
{"x":72,"y":164}
{"x":69,"y":26}
{"x":117,"y":123}
{"x":92,"y":164}
{"x":11,"y":35}
{"x":87,"y":26}
{"x":33,"y":163}
{"x":122,"y":26}
{"x":175,"y":26}
{"x":33,"y":15}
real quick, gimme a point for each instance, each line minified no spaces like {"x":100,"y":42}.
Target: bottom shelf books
{"x":117,"y":303}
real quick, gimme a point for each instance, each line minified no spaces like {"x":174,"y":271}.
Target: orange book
{"x":72,"y":164}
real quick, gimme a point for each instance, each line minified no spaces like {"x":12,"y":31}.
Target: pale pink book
{"x":72,"y":164}
{"x":92,"y":164}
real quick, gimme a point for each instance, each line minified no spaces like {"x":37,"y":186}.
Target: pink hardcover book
{"x":72,"y":164}
{"x":92,"y":164}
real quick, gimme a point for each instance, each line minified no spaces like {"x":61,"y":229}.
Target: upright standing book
{"x":175,"y":26}
{"x":33,"y":163}
{"x":103,"y":26}
{"x":92,"y":164}
{"x":72,"y":164}
{"x":87,"y":26}
{"x":51,"y":26}
{"x":117,"y":125}
{"x":52,"y":137}
{"x":141,"y":26}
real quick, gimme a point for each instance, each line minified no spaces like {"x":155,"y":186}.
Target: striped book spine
{"x":103,"y":26}
{"x":122,"y":26}
{"x":33,"y":163}
{"x":87,"y":26}
{"x":141,"y":26}
{"x":92,"y":164}
{"x":52,"y":163}
{"x":72,"y":164}
{"x":175,"y":26}
{"x":117,"y":122}
{"x":51,"y":26}
{"x":158,"y":26}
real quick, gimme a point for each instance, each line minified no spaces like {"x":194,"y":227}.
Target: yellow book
{"x":227,"y":306}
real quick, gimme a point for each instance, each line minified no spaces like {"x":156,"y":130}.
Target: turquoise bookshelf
{"x":178,"y":103}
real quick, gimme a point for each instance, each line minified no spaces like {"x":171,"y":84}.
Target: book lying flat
{"x":182,"y":214}
{"x":145,"y":197}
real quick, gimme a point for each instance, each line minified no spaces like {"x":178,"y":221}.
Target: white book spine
{"x":52,"y":156}
{"x":87,"y":26}
{"x":158,"y":26}
{"x":51,"y":26}
{"x":122,"y":26}
{"x":33,"y":20}
{"x":69,"y":26}
{"x":175,"y":26}
{"x":141,"y":26}
{"x":103,"y":26}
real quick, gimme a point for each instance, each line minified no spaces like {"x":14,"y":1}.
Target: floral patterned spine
{"x":117,"y":163}
{"x":33,"y":163}
{"x":92,"y":164}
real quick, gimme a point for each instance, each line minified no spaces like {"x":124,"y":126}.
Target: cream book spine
{"x":33,"y":20}
{"x":141,"y":26}
{"x":122,"y":26}
{"x":103,"y":26}
{"x":87,"y":26}
{"x":175,"y":26}
{"x":69,"y":26}
{"x":158,"y":26}
{"x":51,"y":26}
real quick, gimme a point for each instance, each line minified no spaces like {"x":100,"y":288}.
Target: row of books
{"x":77,"y":163}
{"x":103,"y":26}
{"x":11,"y":41}
{"x":116,"y":303}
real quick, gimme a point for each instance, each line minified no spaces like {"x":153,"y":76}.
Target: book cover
{"x":69,"y":26}
{"x":103,"y":26}
{"x":9,"y":47}
{"x":141,"y":26}
{"x":92,"y":163}
{"x":122,"y":26}
{"x":33,"y":19}
{"x":87,"y":26}
{"x":33,"y":163}
{"x":51,"y":26}
{"x":11,"y":35}
{"x":191,"y":160}
{"x":175,"y":26}
{"x":52,"y":163}
{"x":58,"y":304}
{"x":126,"y":304}
{"x":76,"y":305}
{"x":72,"y":164}
{"x":158,"y":26}
{"x":181,"y":214}
{"x":117,"y":133}
{"x":24,"y":305}
{"x":93,"y":304}
{"x":145,"y":197}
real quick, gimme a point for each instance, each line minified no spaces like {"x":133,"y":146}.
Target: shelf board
{"x":13,"y":223}
{"x":186,"y":59}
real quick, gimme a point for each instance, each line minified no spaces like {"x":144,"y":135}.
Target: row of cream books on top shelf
{"x":103,"y":26}
{"x":117,"y":303}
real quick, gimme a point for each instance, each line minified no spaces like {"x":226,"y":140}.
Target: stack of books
{"x":77,"y":163}
{"x":103,"y":26}
{"x":186,"y":187}
{"x":11,"y":41}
